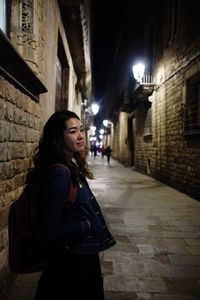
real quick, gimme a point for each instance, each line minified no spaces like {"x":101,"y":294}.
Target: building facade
{"x":44,"y":67}
{"x":157,"y":128}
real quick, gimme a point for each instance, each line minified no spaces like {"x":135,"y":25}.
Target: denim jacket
{"x":79,"y":227}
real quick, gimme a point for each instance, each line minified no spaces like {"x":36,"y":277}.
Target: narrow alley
{"x":157,"y":228}
{"x":130,"y":70}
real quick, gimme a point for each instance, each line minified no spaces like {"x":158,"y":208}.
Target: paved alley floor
{"x":157,"y":229}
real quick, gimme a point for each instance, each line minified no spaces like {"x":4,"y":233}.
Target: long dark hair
{"x":51,"y":148}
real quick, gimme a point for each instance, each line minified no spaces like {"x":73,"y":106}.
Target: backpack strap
{"x":72,"y":191}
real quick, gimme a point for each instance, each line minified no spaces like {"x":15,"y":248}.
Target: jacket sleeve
{"x":54,"y":198}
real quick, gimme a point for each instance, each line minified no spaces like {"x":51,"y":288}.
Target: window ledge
{"x":16,"y":70}
{"x":147,"y":137}
{"x":187,"y":133}
{"x":147,"y":134}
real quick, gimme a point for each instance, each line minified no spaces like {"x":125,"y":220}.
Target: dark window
{"x":148,"y":122}
{"x":58,"y":84}
{"x":4,"y":15}
{"x":147,"y":136}
{"x":192,"y":106}
{"x":62,"y":77}
{"x":171,"y":19}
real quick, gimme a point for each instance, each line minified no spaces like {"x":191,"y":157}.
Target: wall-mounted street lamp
{"x":105,"y":123}
{"x":101,"y":131}
{"x":93,"y":128}
{"x":138,"y":72}
{"x":144,"y":86}
{"x":95,"y":108}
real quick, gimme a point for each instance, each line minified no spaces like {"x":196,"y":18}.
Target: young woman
{"x":76,"y":230}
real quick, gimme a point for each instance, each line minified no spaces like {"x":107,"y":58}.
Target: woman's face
{"x":74,"y":136}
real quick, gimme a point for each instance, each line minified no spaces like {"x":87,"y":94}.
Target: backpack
{"x":27,"y":254}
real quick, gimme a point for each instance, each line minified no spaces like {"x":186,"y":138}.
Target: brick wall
{"x":36,"y":34}
{"x":20,"y":127}
{"x":174,"y":156}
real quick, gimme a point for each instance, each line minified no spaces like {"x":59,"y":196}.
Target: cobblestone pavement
{"x":157,"y":229}
{"x":157,"y":256}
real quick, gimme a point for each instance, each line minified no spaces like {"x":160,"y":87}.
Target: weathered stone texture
{"x":28,"y":91}
{"x":123,"y":154}
{"x":20,"y":127}
{"x":174,"y":157}
{"x":27,"y":37}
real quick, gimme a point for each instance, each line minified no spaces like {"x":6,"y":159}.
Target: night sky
{"x":117,"y":28}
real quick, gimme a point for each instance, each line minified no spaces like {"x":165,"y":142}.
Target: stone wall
{"x":174,"y":156}
{"x":161,"y":146}
{"x":123,"y":154}
{"x":36,"y":33}
{"x":20,"y":127}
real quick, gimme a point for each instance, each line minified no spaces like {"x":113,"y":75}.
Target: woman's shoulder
{"x":58,"y":166}
{"x":57,"y":170}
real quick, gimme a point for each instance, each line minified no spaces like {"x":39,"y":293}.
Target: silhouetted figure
{"x":102,"y":151}
{"x":95,"y":150}
{"x":91,"y":149}
{"x":108,"y":151}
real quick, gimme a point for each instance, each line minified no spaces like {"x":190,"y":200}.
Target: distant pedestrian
{"x":95,"y":150}
{"x":102,"y":151}
{"x":108,"y":151}
{"x":91,"y":149}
